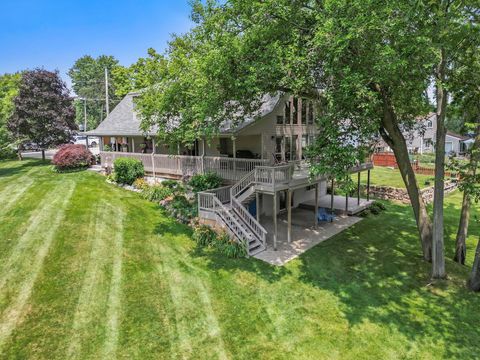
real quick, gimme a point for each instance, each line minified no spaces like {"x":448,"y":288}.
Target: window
{"x":287,"y":112}
{"x":294,"y":147}
{"x":429,"y":124}
{"x":304,"y":111}
{"x":295,"y":111}
{"x":310,"y":113}
{"x":279,"y":119}
{"x":428,"y":142}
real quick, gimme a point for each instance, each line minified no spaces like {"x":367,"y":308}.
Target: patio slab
{"x":304,"y":234}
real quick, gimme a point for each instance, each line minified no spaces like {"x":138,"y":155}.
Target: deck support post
{"x":346,"y":203}
{"x":274,"y":220}
{"x":358,"y":189}
{"x":234,"y":140}
{"x":315,"y":210}
{"x":368,"y":185}
{"x":289,"y":209}
{"x":257,"y":205}
{"x":332,"y":196}
{"x":133,"y":144}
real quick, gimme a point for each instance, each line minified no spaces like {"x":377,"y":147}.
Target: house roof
{"x":123,"y":120}
{"x":458,"y":136}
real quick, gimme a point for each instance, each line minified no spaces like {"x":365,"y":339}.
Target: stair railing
{"x":257,"y":229}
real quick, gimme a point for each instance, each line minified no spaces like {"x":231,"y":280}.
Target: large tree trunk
{"x":438,"y":248}
{"x":474,"y":281}
{"x":460,"y":247}
{"x":393,"y":136}
{"x":43,"y":154}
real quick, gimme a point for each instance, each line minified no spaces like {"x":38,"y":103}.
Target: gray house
{"x":422,"y":139}
{"x":260,"y":160}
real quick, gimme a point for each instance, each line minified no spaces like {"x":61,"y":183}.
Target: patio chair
{"x":323,"y":215}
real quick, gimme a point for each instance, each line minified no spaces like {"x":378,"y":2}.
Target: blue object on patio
{"x":323,"y":215}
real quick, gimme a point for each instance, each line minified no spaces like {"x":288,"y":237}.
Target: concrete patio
{"x":304,"y":234}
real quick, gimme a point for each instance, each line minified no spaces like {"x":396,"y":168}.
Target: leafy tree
{"x":467,"y":99}
{"x":366,"y":64}
{"x":88,"y":82}
{"x":44,"y":112}
{"x":367,"y":67}
{"x":8,"y":90}
{"x":143,"y":73}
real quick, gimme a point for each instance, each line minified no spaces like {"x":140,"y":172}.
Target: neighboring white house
{"x":423,"y":138}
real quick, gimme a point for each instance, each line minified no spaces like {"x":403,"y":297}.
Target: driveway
{"x":50,"y":153}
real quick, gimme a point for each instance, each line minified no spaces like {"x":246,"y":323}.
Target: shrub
{"x":72,"y":157}
{"x":180,"y":208}
{"x":203,"y":235}
{"x":229,"y":247}
{"x":7,"y":152}
{"x":127,"y":170}
{"x":207,"y":181}
{"x":174,"y":185}
{"x":140,"y":184}
{"x":156,"y":193}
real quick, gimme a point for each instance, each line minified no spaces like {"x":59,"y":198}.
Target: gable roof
{"x":457,"y":136}
{"x":123,"y":120}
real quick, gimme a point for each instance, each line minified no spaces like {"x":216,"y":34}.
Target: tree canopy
{"x":88,"y":82}
{"x":43,"y":110}
{"x":9,"y":84}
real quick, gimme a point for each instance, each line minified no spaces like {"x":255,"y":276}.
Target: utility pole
{"x":106,"y":91}
{"x":85,"y":120}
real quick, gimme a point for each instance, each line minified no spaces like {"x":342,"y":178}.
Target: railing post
{"x":153,"y":165}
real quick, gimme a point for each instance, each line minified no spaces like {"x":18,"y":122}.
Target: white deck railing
{"x":184,"y":165}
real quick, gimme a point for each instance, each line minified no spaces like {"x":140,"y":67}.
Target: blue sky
{"x":54,"y":33}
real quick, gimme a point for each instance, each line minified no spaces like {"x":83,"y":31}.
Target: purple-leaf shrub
{"x":73,"y":156}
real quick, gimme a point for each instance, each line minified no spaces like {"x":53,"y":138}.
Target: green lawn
{"x":384,"y":176}
{"x":89,"y":271}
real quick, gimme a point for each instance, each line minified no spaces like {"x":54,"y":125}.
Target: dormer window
{"x":429,"y":124}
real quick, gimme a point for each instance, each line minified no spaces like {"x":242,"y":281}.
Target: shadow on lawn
{"x":216,"y":261}
{"x":380,"y":277}
{"x":18,"y":167}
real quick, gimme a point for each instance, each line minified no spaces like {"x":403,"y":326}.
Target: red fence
{"x":384,"y":159}
{"x":388,"y":159}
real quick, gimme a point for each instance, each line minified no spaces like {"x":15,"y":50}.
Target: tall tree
{"x":466,"y":105}
{"x":88,"y":82}
{"x":145,"y":72}
{"x":43,"y":112}
{"x":454,"y":31}
{"x":9,"y":84}
{"x":367,"y":62}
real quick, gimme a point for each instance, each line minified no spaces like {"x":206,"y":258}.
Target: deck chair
{"x":323,"y":215}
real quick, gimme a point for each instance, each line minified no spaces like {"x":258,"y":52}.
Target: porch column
{"x":368,"y":185}
{"x":358,"y":189}
{"x":289,"y":209}
{"x":332,"y":196}
{"x":316,"y":205}
{"x":261,"y":146}
{"x":133,"y":144}
{"x":100,"y":144}
{"x":234,"y":140}
{"x":257,"y":205}
{"x":153,"y":157}
{"x":203,"y":155}
{"x":274,"y":215}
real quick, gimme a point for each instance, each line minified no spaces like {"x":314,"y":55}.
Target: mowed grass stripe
{"x":39,"y":227}
{"x":43,"y":227}
{"x":95,"y":323}
{"x":196,"y":322}
{"x":10,"y":195}
{"x":114,"y":297}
